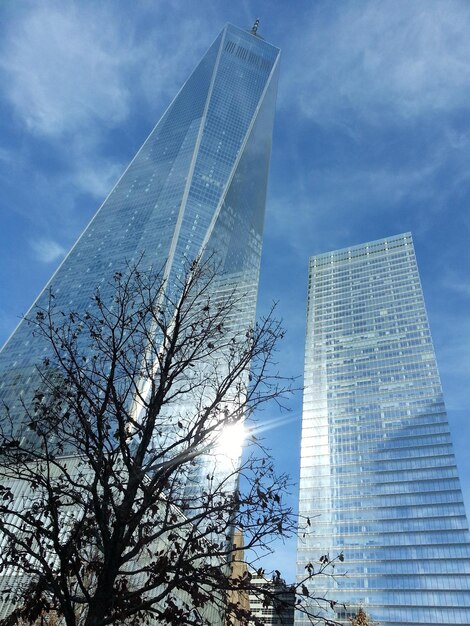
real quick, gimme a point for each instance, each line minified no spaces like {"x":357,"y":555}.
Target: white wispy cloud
{"x":97,"y":181}
{"x":64,"y":69}
{"x":380,"y":60}
{"x":47,"y":250}
{"x":78,"y":65}
{"x":72,"y":72}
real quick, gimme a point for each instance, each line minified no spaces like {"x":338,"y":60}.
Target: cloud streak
{"x":47,"y":250}
{"x":65,"y":69}
{"x":382,"y":59}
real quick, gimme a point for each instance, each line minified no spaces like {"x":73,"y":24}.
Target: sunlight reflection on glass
{"x":230,"y":441}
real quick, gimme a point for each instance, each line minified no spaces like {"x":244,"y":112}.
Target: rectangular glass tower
{"x":378,"y":475}
{"x":196,"y":186}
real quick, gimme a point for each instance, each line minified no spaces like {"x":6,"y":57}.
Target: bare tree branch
{"x":117,"y":502}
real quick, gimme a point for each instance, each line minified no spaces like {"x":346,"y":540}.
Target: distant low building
{"x":280,"y":610}
{"x":271,"y":602}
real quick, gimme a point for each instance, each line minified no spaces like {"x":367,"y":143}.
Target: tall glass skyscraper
{"x":378,"y":475}
{"x":197,"y":184}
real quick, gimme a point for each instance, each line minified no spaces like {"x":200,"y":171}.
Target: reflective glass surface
{"x":378,"y":474}
{"x":198,"y":183}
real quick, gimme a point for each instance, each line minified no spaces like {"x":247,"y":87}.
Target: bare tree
{"x":118,"y":497}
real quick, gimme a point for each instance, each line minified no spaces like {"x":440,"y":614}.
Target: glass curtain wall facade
{"x":378,"y":474}
{"x":197,"y":184}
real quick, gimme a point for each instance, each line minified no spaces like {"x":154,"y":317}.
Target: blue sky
{"x":372,"y":138}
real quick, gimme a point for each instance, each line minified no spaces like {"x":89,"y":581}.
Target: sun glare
{"x":230,"y":441}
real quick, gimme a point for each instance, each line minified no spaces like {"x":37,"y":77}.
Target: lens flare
{"x":230,"y":441}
